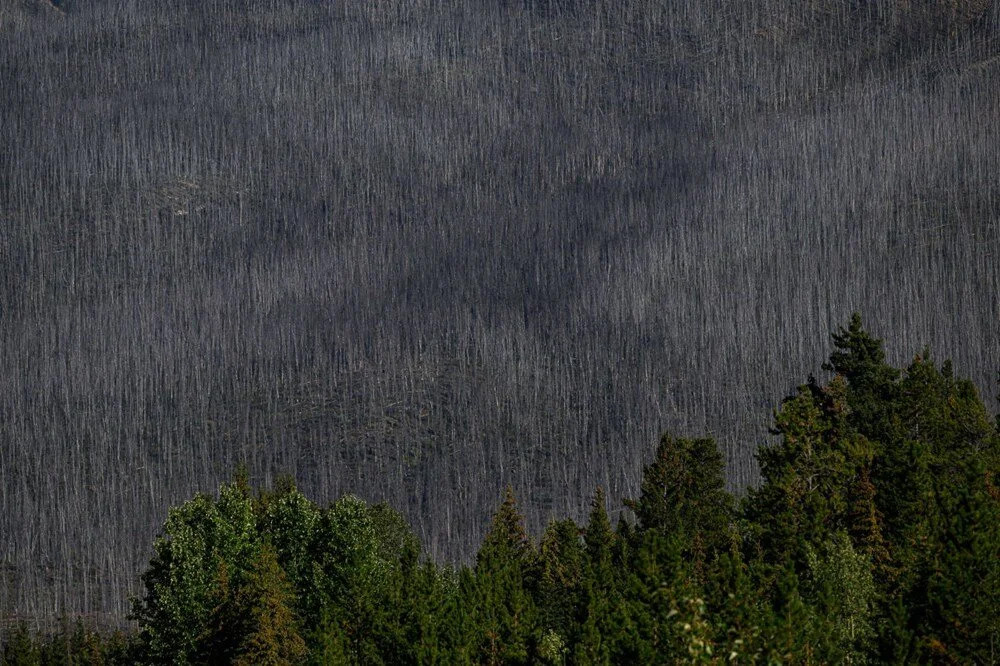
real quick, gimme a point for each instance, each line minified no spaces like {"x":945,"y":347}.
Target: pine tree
{"x":328,"y":642}
{"x":945,"y":412}
{"x":426,"y":593}
{"x":864,"y":524}
{"x":463,"y":620}
{"x":599,"y":537}
{"x":683,"y":494}
{"x":507,"y":540}
{"x":21,"y":648}
{"x":560,"y":565}
{"x":592,"y":647}
{"x":806,"y":477}
{"x":796,"y":633}
{"x":942,"y":429}
{"x":859,"y":357}
{"x":601,"y":622}
{"x":958,"y":593}
{"x":659,"y":585}
{"x":737,"y":600}
{"x":504,"y":574}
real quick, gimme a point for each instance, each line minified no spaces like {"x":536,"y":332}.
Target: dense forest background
{"x":421,"y":249}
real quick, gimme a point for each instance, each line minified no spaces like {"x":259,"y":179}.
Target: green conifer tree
{"x":683,"y":494}
{"x":797,"y":634}
{"x":599,"y":537}
{"x":264,"y":608}
{"x":859,"y":357}
{"x":955,"y":601}
{"x":328,"y":642}
{"x":806,"y":477}
{"x":560,"y":565}
{"x":601,"y":623}
{"x":20,"y":648}
{"x":660,"y":584}
{"x":426,"y":593}
{"x":737,"y":607}
{"x":505,"y":572}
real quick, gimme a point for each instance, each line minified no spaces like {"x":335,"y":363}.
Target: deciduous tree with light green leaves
{"x":200,"y":538}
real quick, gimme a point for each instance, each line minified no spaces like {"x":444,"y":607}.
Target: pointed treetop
{"x":507,"y":538}
{"x":265,"y":604}
{"x":859,"y":356}
{"x":683,"y":489}
{"x":599,"y":536}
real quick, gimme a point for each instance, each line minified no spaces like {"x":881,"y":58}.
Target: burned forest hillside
{"x":418,"y":250}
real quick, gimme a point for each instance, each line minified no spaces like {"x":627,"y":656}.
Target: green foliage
{"x":873,"y":537}
{"x":267,"y":579}
{"x":956,"y":598}
{"x":814,"y":478}
{"x":507,"y":616}
{"x":796,"y":633}
{"x":356,"y":577}
{"x":603,"y":619}
{"x":290,"y":521}
{"x":70,"y":644}
{"x":329,"y":644}
{"x":599,"y":538}
{"x":201,"y":538}
{"x":506,"y":542}
{"x":20,"y":648}
{"x":683,"y":494}
{"x":428,"y":604}
{"x":561,"y":562}
{"x":552,"y":648}
{"x":843,"y":588}
{"x":262,"y":606}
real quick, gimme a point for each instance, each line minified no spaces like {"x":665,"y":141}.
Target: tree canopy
{"x":873,"y":536}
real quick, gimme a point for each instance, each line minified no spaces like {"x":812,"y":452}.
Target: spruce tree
{"x":601,"y":623}
{"x":683,"y":494}
{"x":864,"y":523}
{"x":425,"y":595}
{"x":599,"y":537}
{"x":736,"y":608}
{"x":660,"y":583}
{"x":796,"y":633}
{"x":560,"y":568}
{"x":957,"y":596}
{"x":505,"y":572}
{"x":20,"y":648}
{"x":507,"y":541}
{"x":859,"y":357}
{"x":807,"y":476}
